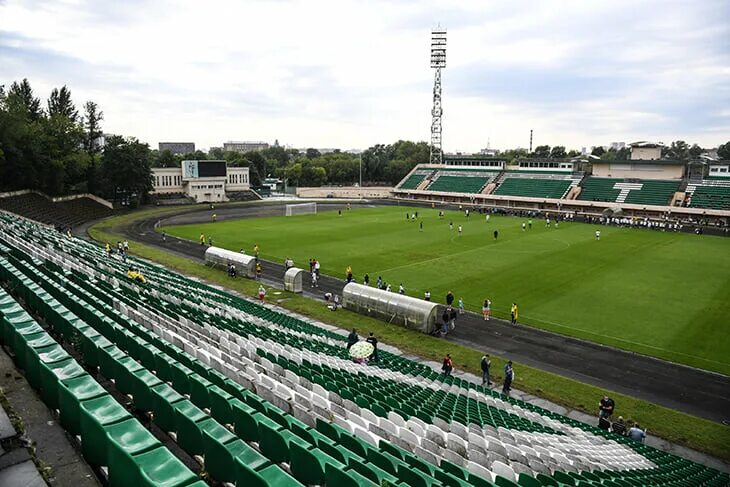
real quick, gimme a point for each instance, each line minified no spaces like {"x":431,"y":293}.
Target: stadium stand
{"x":415,"y":178}
{"x":640,"y":191}
{"x":712,"y":193}
{"x":461,"y":180}
{"x":268,"y":399}
{"x":65,"y":213}
{"x":536,"y":184}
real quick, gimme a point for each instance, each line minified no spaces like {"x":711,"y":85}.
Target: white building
{"x":234,"y":146}
{"x":646,"y":151}
{"x":203,"y":181}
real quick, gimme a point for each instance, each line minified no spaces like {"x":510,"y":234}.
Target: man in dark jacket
{"x":619,"y":427}
{"x":352,"y":338}
{"x":485,"y":370}
{"x":374,"y":342}
{"x":449,"y":298}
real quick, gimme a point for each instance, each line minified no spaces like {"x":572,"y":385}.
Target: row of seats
{"x":536,"y":185}
{"x":640,"y":192}
{"x":713,"y":194}
{"x":110,"y":435}
{"x":65,"y":214}
{"x":220,"y":353}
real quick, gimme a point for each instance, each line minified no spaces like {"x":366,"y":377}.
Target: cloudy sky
{"x":350,"y":73}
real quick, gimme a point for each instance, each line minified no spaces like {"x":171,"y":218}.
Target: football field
{"x":662,"y":294}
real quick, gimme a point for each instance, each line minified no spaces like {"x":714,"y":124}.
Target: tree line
{"x":54,"y":148}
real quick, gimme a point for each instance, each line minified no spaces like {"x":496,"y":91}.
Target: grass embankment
{"x":674,"y":426}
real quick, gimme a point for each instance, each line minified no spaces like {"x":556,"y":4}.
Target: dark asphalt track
{"x":693,"y":391}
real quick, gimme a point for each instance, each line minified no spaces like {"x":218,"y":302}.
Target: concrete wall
{"x":625,"y":169}
{"x":345,"y":192}
{"x":58,"y":199}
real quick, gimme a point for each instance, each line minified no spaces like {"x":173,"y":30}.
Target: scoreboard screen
{"x":212,"y":169}
{"x":203,"y":169}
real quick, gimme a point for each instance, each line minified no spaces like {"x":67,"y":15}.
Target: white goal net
{"x":301,"y":209}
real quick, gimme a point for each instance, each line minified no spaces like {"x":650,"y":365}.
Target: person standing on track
{"x":514,"y":312}
{"x":496,"y":234}
{"x":486,"y":309}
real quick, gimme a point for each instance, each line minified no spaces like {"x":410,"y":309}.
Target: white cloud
{"x":352,"y":74}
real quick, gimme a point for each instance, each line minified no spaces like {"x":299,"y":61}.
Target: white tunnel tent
{"x":245,"y":264}
{"x":407,"y":311}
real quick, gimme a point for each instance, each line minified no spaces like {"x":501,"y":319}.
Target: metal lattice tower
{"x":438,"y":61}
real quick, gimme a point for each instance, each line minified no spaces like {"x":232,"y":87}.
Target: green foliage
{"x":558,"y":152}
{"x":541,"y":152}
{"x":126,"y":169}
{"x":723,"y":152}
{"x":47,"y":151}
{"x":679,"y":150}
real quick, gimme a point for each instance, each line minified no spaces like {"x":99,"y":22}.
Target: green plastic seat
{"x":52,"y":373}
{"x":373,"y":472}
{"x":415,"y":477}
{"x":528,"y":481}
{"x":220,"y":449}
{"x":272,"y":442}
{"x":245,"y":425}
{"x":308,"y":466}
{"x":220,"y":405}
{"x":124,"y":371}
{"x":164,"y":398}
{"x":181,"y":377}
{"x":346,"y":478}
{"x":71,"y":393}
{"x":142,"y":383}
{"x":34,"y":357}
{"x":199,"y":394}
{"x":108,"y":360}
{"x":127,"y":439}
{"x":96,"y":414}
{"x":160,"y":468}
{"x":187,"y":417}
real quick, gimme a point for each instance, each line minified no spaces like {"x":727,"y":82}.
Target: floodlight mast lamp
{"x":438,"y":61}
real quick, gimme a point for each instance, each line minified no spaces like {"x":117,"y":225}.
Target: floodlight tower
{"x":438,"y":61}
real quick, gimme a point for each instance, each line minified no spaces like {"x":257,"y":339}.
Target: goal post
{"x":301,"y":209}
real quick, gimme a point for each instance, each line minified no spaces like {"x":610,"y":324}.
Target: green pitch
{"x":662,"y":294}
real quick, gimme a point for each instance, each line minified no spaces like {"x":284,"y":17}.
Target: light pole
{"x":360,"y":174}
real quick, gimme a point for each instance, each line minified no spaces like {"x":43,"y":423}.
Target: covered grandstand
{"x":265,"y":398}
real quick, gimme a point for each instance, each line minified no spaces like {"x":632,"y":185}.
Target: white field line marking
{"x":538,"y":320}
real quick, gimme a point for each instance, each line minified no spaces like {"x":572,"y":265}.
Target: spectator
{"x":485,"y":364}
{"x":449,"y":298}
{"x":374,"y":342}
{"x":427,"y":296}
{"x":452,"y":318}
{"x":366,"y":279}
{"x":637,"y":434}
{"x":448,"y":364}
{"x":259,"y":269}
{"x":461,"y":306}
{"x":352,"y":338}
{"x":262,"y":293}
{"x":446,"y":316}
{"x":486,"y":309}
{"x":509,"y":376}
{"x":605,"y":407}
{"x":514,"y":313}
{"x":604,"y":424}
{"x":619,"y":427}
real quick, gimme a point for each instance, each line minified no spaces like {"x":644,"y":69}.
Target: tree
{"x":542,"y":152}
{"x":92,"y":128}
{"x":60,"y":104}
{"x":166,"y":159}
{"x":695,"y":151}
{"x":598,"y":151}
{"x":723,"y":152}
{"x":573,"y":153}
{"x":23,"y":94}
{"x":312,"y":153}
{"x":558,"y":152}
{"x":126,"y":169}
{"x":679,"y":150}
